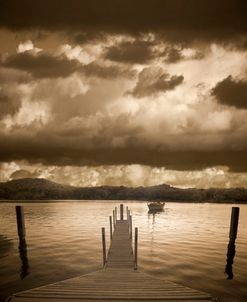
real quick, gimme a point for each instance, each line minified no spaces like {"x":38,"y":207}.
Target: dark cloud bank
{"x":50,"y":150}
{"x":184,"y":20}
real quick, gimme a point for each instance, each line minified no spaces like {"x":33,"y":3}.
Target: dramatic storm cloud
{"x":178,"y":20}
{"x":41,"y":65}
{"x":232,"y":92}
{"x":122,"y":92}
{"x":130,"y":52}
{"x":153,"y":80}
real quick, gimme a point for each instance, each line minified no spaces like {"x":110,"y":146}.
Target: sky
{"x":121,"y":92}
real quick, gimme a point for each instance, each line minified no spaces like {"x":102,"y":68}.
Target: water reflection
{"x":231,"y":245}
{"x":188,"y":245}
{"x":24,"y":270}
{"x":230,"y":257}
{"x":152,"y":215}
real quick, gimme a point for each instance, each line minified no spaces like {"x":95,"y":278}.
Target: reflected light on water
{"x":186,"y":243}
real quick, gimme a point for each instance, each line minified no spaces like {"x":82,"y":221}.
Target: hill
{"x":42,"y":189}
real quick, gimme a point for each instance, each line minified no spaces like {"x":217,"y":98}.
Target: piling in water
{"x":234,"y":223}
{"x":128,"y":216}
{"x":114,"y":218}
{"x":103,"y":246}
{"x":110,"y":220}
{"x":121,"y":211}
{"x":20,"y":222}
{"x":136,"y":245}
{"x":231,"y":251}
{"x":130,"y":227}
{"x":116,"y":213}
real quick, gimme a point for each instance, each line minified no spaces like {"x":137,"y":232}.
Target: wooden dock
{"x":117,"y":281}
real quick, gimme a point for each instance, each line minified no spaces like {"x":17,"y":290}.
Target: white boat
{"x":156,"y":205}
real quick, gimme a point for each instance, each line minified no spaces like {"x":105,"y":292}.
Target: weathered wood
{"x":234,"y":223}
{"x":20,"y":222}
{"x":231,"y":245}
{"x":114,"y":218}
{"x":116,"y":213}
{"x":110,"y":221}
{"x":103,"y":246}
{"x":130,"y":227}
{"x":21,"y":299}
{"x":121,"y":211}
{"x":136,"y":246}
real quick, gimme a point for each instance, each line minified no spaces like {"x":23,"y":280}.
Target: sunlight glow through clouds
{"x":77,"y":53}
{"x":127,"y":175}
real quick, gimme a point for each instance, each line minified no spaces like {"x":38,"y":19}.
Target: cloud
{"x":9,"y":102}
{"x":41,"y":65}
{"x":86,"y":118}
{"x":177,"y":20}
{"x":132,"y":175}
{"x":82,"y":120}
{"x":62,"y":63}
{"x":153,"y":80}
{"x":99,"y":141}
{"x":108,"y":71}
{"x":173,"y":54}
{"x":26,"y":46}
{"x":137,"y":52}
{"x":9,"y":76}
{"x":231,"y":92}
{"x":89,"y":36}
{"x":19,"y":174}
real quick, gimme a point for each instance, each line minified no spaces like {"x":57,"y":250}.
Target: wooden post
{"x":127,"y":210}
{"x":121,"y":211}
{"x":103,"y":246}
{"x":136,"y":244}
{"x":130,"y":226}
{"x":116,"y":213}
{"x":234,"y":223}
{"x":20,"y":222}
{"x":114,"y":218}
{"x":110,"y":218}
{"x":24,"y":271}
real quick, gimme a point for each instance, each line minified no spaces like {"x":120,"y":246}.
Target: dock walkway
{"x":117,"y":281}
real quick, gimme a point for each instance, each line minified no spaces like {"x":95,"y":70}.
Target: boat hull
{"x":156,"y":206}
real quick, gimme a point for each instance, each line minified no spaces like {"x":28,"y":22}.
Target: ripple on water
{"x":187,"y":244}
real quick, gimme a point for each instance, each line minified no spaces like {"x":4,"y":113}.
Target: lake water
{"x":187,"y":244}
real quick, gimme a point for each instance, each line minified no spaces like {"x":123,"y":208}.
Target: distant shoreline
{"x":41,"y":190}
{"x":33,"y":201}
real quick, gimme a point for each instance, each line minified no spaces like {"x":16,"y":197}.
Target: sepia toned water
{"x":187,"y":244}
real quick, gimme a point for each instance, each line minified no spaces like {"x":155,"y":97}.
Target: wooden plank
{"x":20,"y":299}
